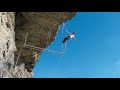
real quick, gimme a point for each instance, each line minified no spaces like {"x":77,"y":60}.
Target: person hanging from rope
{"x":70,"y":36}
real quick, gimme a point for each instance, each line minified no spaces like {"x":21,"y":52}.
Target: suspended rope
{"x":62,"y":29}
{"x":63,"y":37}
{"x":63,"y":45}
{"x":60,"y":59}
{"x":38,"y":48}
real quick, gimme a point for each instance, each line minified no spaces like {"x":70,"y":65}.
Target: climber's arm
{"x":75,"y":38}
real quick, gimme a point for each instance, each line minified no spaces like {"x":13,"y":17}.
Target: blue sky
{"x":95,"y":53}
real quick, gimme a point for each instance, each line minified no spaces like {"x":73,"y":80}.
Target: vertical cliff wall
{"x":8,"y":48}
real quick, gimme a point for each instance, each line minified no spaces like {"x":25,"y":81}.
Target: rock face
{"x":7,"y":43}
{"x":13,"y":30}
{"x":8,"y":47}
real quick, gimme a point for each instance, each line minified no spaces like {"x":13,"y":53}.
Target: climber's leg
{"x":65,"y":39}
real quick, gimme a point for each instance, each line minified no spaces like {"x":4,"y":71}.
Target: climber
{"x":71,"y":35}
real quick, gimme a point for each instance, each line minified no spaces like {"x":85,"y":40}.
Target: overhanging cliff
{"x":37,"y":25}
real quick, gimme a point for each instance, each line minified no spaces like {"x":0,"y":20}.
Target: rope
{"x":60,"y":59}
{"x":63,"y":54}
{"x":18,"y":55}
{"x":64,"y":26}
{"x":37,"y":48}
{"x":21,"y":49}
{"x":66,"y":29}
{"x":47,"y":40}
{"x":62,"y":36}
{"x":26,"y":39}
{"x":30,"y":46}
{"x":49,"y":35}
{"x":66,"y":35}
